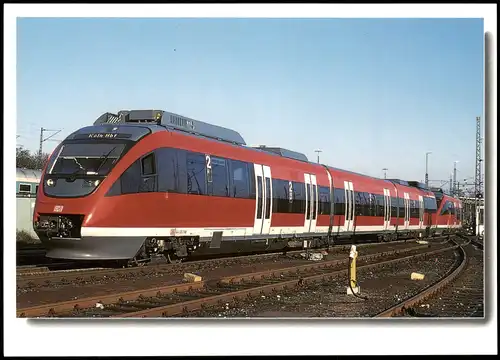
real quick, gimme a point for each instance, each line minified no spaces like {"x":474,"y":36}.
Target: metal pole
{"x":42,"y":130}
{"x":41,"y":142}
{"x":385,"y":172}
{"x":478,"y":182}
{"x":427,"y":168}
{"x":455,"y":178}
{"x":318,"y":151}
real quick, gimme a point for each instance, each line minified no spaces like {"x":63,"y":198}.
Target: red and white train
{"x":146,"y":183}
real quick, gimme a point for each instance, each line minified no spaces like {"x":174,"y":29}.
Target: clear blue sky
{"x":370,"y":93}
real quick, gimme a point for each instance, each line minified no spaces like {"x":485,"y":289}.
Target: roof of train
{"x":157,"y":119}
{"x":28,"y":174}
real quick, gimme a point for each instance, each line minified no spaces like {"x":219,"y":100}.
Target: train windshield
{"x":86,"y":158}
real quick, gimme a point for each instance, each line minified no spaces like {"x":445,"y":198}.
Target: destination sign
{"x":103,"y":136}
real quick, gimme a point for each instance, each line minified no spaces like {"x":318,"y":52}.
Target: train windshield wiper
{"x":80,"y":167}
{"x":71,"y":176}
{"x":104,"y":159}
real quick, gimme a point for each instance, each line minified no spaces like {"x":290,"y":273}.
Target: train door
{"x":387,"y":208}
{"x":332,"y":203}
{"x":263,"y":199}
{"x":407,"y":210}
{"x":420,"y":212}
{"x":349,"y":206}
{"x":398,"y":215}
{"x":311,"y":210}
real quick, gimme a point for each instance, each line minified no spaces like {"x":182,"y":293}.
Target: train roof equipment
{"x":399,"y":181}
{"x":418,"y":185}
{"x":172,"y":122}
{"x":283,"y":152}
{"x":437,"y":189}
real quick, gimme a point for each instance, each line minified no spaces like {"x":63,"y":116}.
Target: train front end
{"x":72,"y":208}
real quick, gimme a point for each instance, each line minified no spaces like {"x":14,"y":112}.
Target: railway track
{"x":459,"y":294}
{"x":30,"y":255}
{"x":180,"y":299}
{"x":43,"y":276}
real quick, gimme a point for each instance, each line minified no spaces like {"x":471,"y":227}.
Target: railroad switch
{"x":353,"y":287}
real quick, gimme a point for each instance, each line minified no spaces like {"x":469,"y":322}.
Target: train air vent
{"x":173,"y":122}
{"x":200,"y":128}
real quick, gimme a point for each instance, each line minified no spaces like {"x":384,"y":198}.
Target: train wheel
{"x":172,"y":259}
{"x":135,"y":263}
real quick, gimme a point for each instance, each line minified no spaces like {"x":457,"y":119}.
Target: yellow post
{"x":353,"y":255}
{"x":353,"y":268}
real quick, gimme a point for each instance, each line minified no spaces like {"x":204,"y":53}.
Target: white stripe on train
{"x":227,"y":232}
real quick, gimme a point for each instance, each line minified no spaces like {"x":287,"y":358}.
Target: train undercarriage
{"x":178,"y":249}
{"x":67,"y":228}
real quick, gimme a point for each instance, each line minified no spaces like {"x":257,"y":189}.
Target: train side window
{"x":36,"y":189}
{"x":358,"y":200}
{"x":281,"y":196}
{"x":433,"y":205}
{"x":366,"y":205}
{"x":259,"y":197}
{"x":430,"y":204}
{"x":426,"y":204}
{"x":324,"y":200}
{"x":380,"y":205}
{"x":149,"y":165}
{"x":251,"y":180}
{"x":315,"y":197}
{"x":402,"y":211}
{"x":181,"y":156}
{"x":289,"y":196}
{"x":394,"y":207}
{"x":24,"y":188}
{"x":299,"y":197}
{"x":372,"y":207}
{"x":267,"y":212}
{"x":168,"y":172}
{"x":414,"y":212}
{"x":276,"y":195}
{"x":148,"y":170}
{"x":339,"y":206}
{"x":131,"y":179}
{"x":446,"y":208}
{"x":219,"y":185}
{"x":240,"y":185}
{"x":196,"y":180}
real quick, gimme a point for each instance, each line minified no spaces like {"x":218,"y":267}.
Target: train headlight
{"x":96,"y":182}
{"x":50,"y":182}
